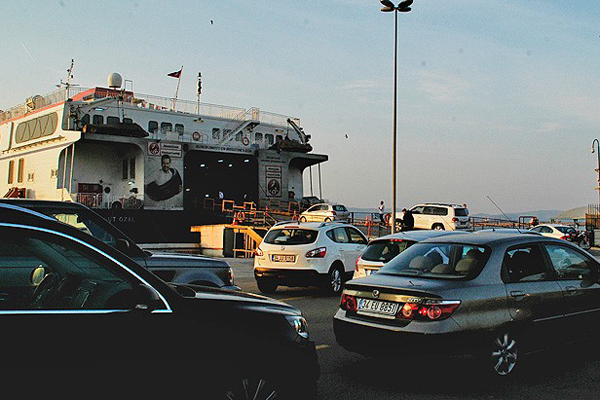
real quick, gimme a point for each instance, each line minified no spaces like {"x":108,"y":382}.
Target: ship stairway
{"x":229,"y":134}
{"x":247,"y":119}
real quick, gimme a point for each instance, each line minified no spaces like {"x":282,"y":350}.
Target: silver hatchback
{"x":496,"y":295}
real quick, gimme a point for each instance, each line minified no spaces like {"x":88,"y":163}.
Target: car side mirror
{"x":146,"y":298}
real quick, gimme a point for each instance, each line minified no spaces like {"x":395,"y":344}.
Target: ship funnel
{"x":115,"y":81}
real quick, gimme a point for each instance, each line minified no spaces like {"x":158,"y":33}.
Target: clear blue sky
{"x":496,"y":98}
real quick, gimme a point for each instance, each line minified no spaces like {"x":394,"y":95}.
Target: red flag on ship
{"x":176,"y":74}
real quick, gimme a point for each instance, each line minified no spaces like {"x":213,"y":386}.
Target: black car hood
{"x":250,"y":299}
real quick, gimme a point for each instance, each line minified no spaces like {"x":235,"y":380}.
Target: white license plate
{"x":283,"y":258}
{"x":384,"y":309}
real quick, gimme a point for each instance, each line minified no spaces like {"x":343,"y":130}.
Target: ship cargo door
{"x":207,"y":173}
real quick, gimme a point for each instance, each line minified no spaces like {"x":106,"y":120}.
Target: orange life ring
{"x":196,"y":135}
{"x":245,"y":141}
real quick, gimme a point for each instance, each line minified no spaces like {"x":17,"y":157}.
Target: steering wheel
{"x":44,"y":290}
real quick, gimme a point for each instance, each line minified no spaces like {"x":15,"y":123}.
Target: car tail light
{"x":258,"y":252}
{"x":317,"y":253}
{"x":455,"y":219}
{"x":564,"y":237}
{"x":333,"y":213}
{"x":356,"y":264}
{"x":348,"y":303}
{"x":230,"y":273}
{"x":429,"y":310}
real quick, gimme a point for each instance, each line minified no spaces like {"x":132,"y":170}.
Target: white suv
{"x":307,"y":254}
{"x":440,"y":216}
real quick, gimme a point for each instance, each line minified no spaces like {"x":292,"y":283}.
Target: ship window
{"x":166,"y":127}
{"x":278,"y":138}
{"x":152,"y":126}
{"x":127,"y":121}
{"x":53,"y":173}
{"x":132,"y":168}
{"x":258,"y":137}
{"x":125,"y":168}
{"x":269,"y":138}
{"x":179,"y":129}
{"x":238,"y":137}
{"x":36,"y":128}
{"x":30,"y":176}
{"x":216,"y":133}
{"x":20,"y":170}
{"x":98,"y":120}
{"x":112,"y":121}
{"x":11,"y":171}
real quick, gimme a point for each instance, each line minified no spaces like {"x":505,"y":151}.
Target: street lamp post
{"x":404,"y":7}
{"x":597,"y":151}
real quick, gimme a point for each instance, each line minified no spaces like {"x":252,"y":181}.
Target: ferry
{"x":154,"y":166}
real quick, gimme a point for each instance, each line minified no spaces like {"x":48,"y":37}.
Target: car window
{"x":384,"y":250}
{"x":537,"y":229}
{"x":440,"y":211}
{"x":429,"y":210}
{"x":525,"y":264}
{"x":566,"y":229}
{"x":355,"y":236}
{"x":546,"y":229}
{"x":43,"y":271}
{"x":291,"y":236}
{"x":568,"y":263}
{"x":86,"y":225}
{"x":417,"y":210}
{"x":439,"y":261}
{"x":312,"y":208}
{"x":339,"y":207}
{"x":461,"y":212}
{"x":338,"y":235}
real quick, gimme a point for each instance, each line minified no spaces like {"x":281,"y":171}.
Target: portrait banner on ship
{"x":163,"y":188}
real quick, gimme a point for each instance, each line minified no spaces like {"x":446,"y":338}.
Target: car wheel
{"x":335,"y":280}
{"x":585,"y":244}
{"x":302,"y":219}
{"x":438,"y":227}
{"x":249,"y":388}
{"x":327,"y":219}
{"x":266,"y":286}
{"x":504,"y":354}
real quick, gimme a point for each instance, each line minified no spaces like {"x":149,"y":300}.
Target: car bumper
{"x":368,"y":339}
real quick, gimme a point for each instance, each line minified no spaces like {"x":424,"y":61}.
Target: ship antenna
{"x":68,"y":84}
{"x":508,"y":219}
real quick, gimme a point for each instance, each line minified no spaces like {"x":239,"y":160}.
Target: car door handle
{"x":517,"y":294}
{"x":571,"y":289}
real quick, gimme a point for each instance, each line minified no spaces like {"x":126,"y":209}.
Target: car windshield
{"x":339,"y":207}
{"x":385,"y":250}
{"x":439,"y":260}
{"x":461,"y":212}
{"x":290,"y":236}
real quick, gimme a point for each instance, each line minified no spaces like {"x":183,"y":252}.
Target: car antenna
{"x":490,"y":199}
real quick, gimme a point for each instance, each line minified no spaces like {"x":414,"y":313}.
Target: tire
{"x":504,"y":357}
{"x":327,"y":219}
{"x":266,"y":286}
{"x":253,"y":385}
{"x":585,"y":244}
{"x":438,"y":227}
{"x":302,"y":219}
{"x":334,"y":282}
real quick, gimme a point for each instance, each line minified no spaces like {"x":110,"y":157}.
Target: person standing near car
{"x":381,"y":213}
{"x":408,"y":221}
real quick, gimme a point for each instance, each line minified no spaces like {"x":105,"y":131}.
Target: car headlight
{"x":299,"y":324}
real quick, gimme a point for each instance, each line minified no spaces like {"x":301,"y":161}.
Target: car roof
{"x":309,"y":225}
{"x":418,"y":235}
{"x":44,"y":203}
{"x":440,"y":204}
{"x":508,"y":230}
{"x":489,"y":238}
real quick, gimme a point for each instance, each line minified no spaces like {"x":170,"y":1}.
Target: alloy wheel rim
{"x":336,"y":280}
{"x":253,"y":389}
{"x":504,"y":354}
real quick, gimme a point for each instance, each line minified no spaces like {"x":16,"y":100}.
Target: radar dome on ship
{"x":115,"y":80}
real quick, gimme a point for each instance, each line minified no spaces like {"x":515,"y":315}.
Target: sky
{"x":496,"y":99}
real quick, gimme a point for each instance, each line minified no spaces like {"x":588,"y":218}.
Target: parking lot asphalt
{"x":571,"y":372}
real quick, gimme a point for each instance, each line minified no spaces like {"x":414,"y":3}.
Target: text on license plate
{"x":383,"y":309}
{"x":283,"y":258}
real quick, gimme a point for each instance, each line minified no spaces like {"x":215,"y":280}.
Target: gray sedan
{"x":495,"y":295}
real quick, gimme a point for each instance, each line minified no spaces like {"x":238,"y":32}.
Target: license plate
{"x":383,"y":309}
{"x":283,"y":258}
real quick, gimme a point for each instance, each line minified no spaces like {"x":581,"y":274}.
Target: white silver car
{"x":325,"y":212}
{"x":439,"y":216}
{"x":382,"y":250}
{"x":307,"y":254}
{"x":558,"y":231}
